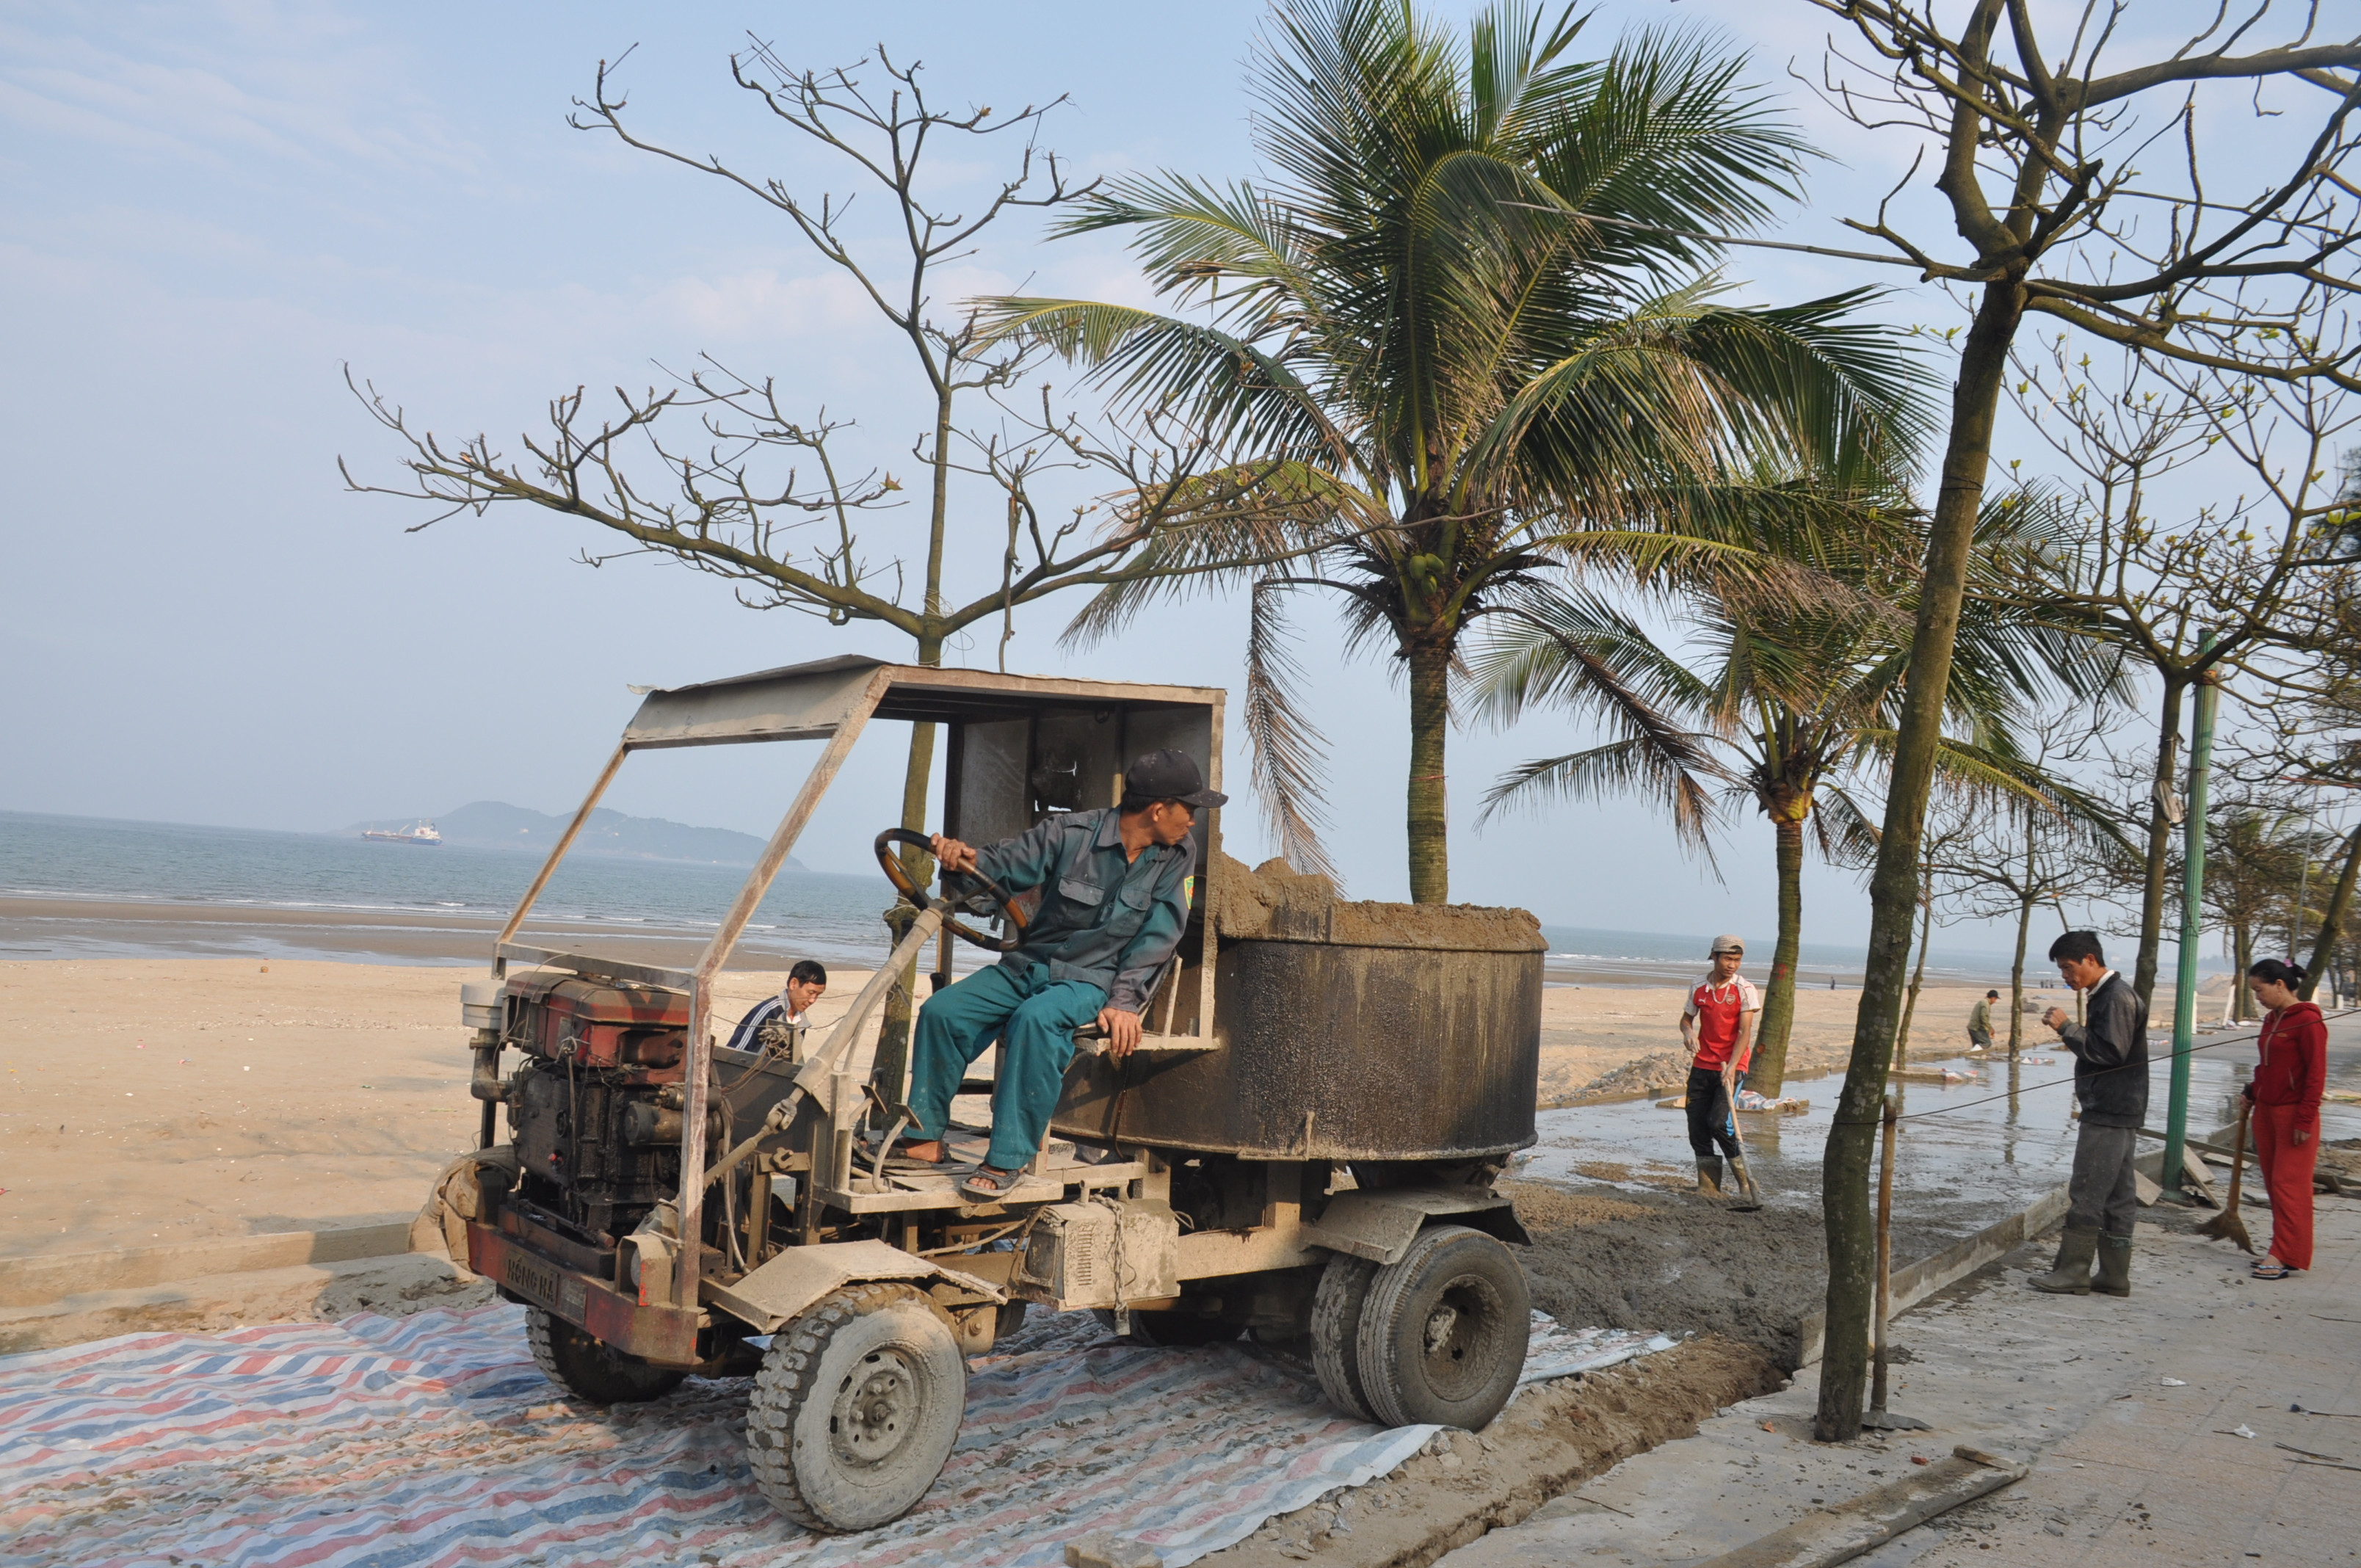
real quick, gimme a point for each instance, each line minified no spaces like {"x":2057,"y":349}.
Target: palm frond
{"x":1843,"y":830}
{"x":1289,"y":754}
{"x":1229,"y":387}
{"x":1635,"y":765}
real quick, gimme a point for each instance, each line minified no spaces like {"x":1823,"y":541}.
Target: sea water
{"x":833,"y":917}
{"x":346,"y":878}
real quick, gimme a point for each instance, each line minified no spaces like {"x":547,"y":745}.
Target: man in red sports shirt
{"x":1718,"y":1034}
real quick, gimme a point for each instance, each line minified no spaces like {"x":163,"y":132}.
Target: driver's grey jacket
{"x":1103,"y":920}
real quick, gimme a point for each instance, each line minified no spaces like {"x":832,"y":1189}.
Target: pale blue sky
{"x":204,"y":210}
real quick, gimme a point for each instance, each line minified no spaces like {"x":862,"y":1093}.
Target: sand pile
{"x":1658,"y":1072}
{"x":1272,"y":902}
{"x":1667,"y":1072}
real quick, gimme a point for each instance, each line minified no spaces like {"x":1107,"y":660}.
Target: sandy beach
{"x":176,"y":1100}
{"x":173,"y":1099}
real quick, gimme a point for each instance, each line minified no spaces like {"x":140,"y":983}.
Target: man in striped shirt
{"x":1718,"y":1035}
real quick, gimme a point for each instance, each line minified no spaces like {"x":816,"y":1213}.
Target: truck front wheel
{"x":1444,"y":1332}
{"x":599,"y":1373}
{"x":856,"y":1408}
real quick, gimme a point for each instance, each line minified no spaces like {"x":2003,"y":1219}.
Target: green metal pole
{"x":2192,"y":896}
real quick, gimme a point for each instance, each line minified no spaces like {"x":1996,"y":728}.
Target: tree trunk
{"x":1893,"y":884}
{"x":1917,"y":979}
{"x":1429,"y":724}
{"x":2016,"y":973}
{"x":1768,"y":1076}
{"x":2242,"y":958}
{"x":2331,"y":919}
{"x":893,"y":1025}
{"x":2159,"y":837}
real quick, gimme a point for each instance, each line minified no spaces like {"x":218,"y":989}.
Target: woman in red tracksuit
{"x":2286,"y":1095}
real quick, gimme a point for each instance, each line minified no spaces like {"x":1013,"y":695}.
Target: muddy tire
{"x":856,"y":1408}
{"x":1336,"y":1309}
{"x":1443,"y":1331}
{"x":1007,"y":1320}
{"x":1177,"y":1330}
{"x":596,"y":1372}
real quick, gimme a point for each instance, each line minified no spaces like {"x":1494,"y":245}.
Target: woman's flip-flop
{"x":2269,"y":1269}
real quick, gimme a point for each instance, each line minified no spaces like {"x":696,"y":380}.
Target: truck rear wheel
{"x":1444,"y":1332}
{"x":1336,"y":1309}
{"x":856,"y":1408}
{"x":597,"y":1372}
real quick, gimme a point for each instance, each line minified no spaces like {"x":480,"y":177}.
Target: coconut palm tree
{"x":1787,"y":703}
{"x":1469,"y":313}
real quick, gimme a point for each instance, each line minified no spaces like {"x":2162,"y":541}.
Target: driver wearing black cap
{"x":1115,"y":885}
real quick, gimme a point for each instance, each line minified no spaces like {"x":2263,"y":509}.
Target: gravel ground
{"x":1666,"y":1261}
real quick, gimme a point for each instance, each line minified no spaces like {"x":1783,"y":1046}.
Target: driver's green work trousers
{"x":1035,"y":1018}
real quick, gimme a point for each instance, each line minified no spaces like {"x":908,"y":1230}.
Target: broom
{"x":2226,"y":1226}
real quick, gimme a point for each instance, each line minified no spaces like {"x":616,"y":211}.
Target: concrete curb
{"x":1921,"y":1279}
{"x":38,"y":1281}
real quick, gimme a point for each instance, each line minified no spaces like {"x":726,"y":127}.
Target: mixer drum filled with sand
{"x":1342,"y":1031}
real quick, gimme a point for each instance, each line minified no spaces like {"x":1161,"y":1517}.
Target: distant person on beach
{"x":790,"y":1010}
{"x":2111,"y":1085}
{"x":1717,"y":1036}
{"x":2288,"y":1078}
{"x":1980,"y":1022}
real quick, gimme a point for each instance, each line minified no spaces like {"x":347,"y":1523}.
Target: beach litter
{"x":1785,"y":1105}
{"x":434,"y":1442}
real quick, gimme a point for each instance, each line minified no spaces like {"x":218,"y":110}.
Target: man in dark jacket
{"x":2111,"y":1085}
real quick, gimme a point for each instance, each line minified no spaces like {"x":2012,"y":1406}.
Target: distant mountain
{"x":496,"y":825}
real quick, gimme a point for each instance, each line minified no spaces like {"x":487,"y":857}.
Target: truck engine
{"x":595,"y":1109}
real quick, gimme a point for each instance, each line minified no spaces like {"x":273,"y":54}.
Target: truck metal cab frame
{"x":1304,"y":1144}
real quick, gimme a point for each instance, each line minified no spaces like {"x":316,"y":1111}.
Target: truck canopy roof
{"x":811,"y":702}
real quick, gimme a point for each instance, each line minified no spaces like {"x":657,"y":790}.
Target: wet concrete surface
{"x":1622,"y":1239}
{"x":1968,"y":1155}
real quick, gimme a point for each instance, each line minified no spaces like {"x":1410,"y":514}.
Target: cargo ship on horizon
{"x":416,"y":833}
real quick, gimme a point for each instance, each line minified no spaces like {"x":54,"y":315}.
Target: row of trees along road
{"x":1781,"y":699}
{"x":2065,"y":157}
{"x":1463,"y":356}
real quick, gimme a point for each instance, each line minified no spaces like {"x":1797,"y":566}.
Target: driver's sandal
{"x":991,"y":1186}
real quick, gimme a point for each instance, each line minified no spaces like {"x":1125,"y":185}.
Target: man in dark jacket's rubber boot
{"x":2071,"y":1275}
{"x":2115,"y":1267}
{"x":2110,"y":1050}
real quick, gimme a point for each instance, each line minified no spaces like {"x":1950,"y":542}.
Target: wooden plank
{"x":915,"y":1192}
{"x":1829,"y":1536}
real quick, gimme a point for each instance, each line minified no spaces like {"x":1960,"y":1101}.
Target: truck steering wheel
{"x":1009,"y":912}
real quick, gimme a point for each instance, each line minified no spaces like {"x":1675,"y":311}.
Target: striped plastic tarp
{"x":433,"y":1442}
